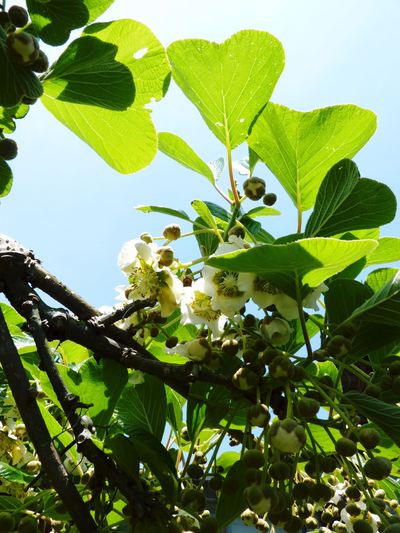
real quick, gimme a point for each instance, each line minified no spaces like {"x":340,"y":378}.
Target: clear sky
{"x":75,"y":212}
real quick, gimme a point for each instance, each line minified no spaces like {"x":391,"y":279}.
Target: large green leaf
{"x":346,"y":202}
{"x":53,"y":20}
{"x":164,"y":210}
{"x":9,"y":114}
{"x":125,"y":139}
{"x":96,"y":8}
{"x":343,"y":297}
{"x":310,"y":261}
{"x":196,"y":408}
{"x":378,"y":278}
{"x":232,"y":503}
{"x":385,"y":416}
{"x":14,"y":475}
{"x":16,"y":80}
{"x":384,"y":306}
{"x":176,"y":148}
{"x":229,"y":83}
{"x":87,"y":73}
{"x":143,"y":407}
{"x":387,"y":251}
{"x":300,"y":147}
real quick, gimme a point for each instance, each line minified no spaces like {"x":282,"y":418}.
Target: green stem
{"x":231,"y":221}
{"x":299,"y":220}
{"x":224,"y":196}
{"x":230,"y":169}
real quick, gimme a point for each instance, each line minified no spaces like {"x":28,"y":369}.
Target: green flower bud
{"x":245,"y":379}
{"x":353,"y":509}
{"x":193,"y":500}
{"x":293,"y":525}
{"x":261,"y":499}
{"x":252,"y":476}
{"x":369,"y":438}
{"x":22,"y":48}
{"x":7,"y":522}
{"x":287,"y":436}
{"x":253,"y":459}
{"x":166,"y":256}
{"x":146,"y":237}
{"x":328,"y":463}
{"x":254,"y":188}
{"x":230,"y":347}
{"x":280,"y":471}
{"x":238,"y":231}
{"x":320,"y":355}
{"x":345,"y":447}
{"x":378,"y":468}
{"x":18,"y":16}
{"x":194,"y":471}
{"x":249,"y":321}
{"x":321,"y":493}
{"x":301,"y":491}
{"x":281,"y":368}
{"x":258,"y":415}
{"x":338,"y":346}
{"x":198,"y":349}
{"x":41,"y":64}
{"x":8,"y":149}
{"x":172,"y":232}
{"x":215,"y":482}
{"x":33,"y":467}
{"x":269,"y":199}
{"x":249,"y":517}
{"x":353,"y":493}
{"x":307,"y":407}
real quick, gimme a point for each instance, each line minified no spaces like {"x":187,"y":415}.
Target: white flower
{"x":196,"y":309}
{"x":147,"y":278}
{"x":278,"y":331}
{"x":310,"y":301}
{"x":222,"y":285}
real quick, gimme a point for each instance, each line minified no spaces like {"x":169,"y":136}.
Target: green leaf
{"x":300,"y":147}
{"x":322,"y":438}
{"x":127,"y":139}
{"x":14,"y":475}
{"x":196,"y":408}
{"x":378,"y":278}
{"x":254,"y":230}
{"x":143,"y":407}
{"x":6,"y":178}
{"x":297,"y":340}
{"x":347,"y":202}
{"x":227,"y":459}
{"x":229,"y":83}
{"x":57,"y":431}
{"x":377,"y":342}
{"x":96,"y":8}
{"x":232,"y":504}
{"x":310,"y":261}
{"x":9,"y":114}
{"x":149,"y":450}
{"x":54,"y":20}
{"x":175,"y":403}
{"x":87,"y":73}
{"x":16,"y":80}
{"x":385,"y":416}
{"x":73,"y":353}
{"x":343,"y":297}
{"x":124,"y":453}
{"x":387,"y":251}
{"x":9,"y":503}
{"x":218,"y":211}
{"x":164,"y":210}
{"x":207,"y":241}
{"x":202,"y":209}
{"x":262,"y":212}
{"x":176,"y":148}
{"x":384,"y":306}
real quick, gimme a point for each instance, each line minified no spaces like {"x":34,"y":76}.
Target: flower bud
{"x":209,"y":524}
{"x":146,"y":237}
{"x":194,"y":500}
{"x":166,"y":256}
{"x":18,"y":16}
{"x":287,"y":435}
{"x":238,"y":231}
{"x":230,"y":347}
{"x":338,"y":346}
{"x":369,"y":438}
{"x":261,"y":499}
{"x":345,"y":447}
{"x":362,"y":526}
{"x":41,"y":64}
{"x":258,"y":415}
{"x":7,"y":521}
{"x":245,"y":379}
{"x":194,"y":471}
{"x":198,"y":349}
{"x":254,"y":188}
{"x":172,"y":232}
{"x":281,"y":368}
{"x":277,"y":330}
{"x":321,"y":493}
{"x":378,"y":468}
{"x":252,"y":476}
{"x":249,"y":517}
{"x":269,"y":199}
{"x":307,"y":407}
{"x":280,"y":471}
{"x":171,"y":342}
{"x":8,"y":149}
{"x":33,"y":467}
{"x":253,"y":459}
{"x":22,"y":48}
{"x":215,"y":482}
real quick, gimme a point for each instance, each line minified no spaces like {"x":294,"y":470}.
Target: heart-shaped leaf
{"x":346,"y":202}
{"x":127,"y":139}
{"x":176,"y":148}
{"x":387,"y":251}
{"x":229,"y":83}
{"x":16,"y":80}
{"x":54,"y":20}
{"x":300,"y":147}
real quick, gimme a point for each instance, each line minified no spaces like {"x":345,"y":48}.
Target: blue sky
{"x":76,"y":212}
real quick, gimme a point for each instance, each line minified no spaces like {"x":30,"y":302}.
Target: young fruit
{"x":269,"y":199}
{"x":8,"y":149}
{"x":22,"y":48}
{"x":194,"y":471}
{"x":253,"y":459}
{"x":280,"y":471}
{"x":307,"y":407}
{"x":345,"y":447}
{"x":369,"y":438}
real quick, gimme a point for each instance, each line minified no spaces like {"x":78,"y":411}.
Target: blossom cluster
{"x":213,"y":299}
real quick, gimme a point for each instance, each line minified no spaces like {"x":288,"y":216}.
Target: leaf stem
{"x":230,"y":169}
{"x":231,"y":222}
{"x":224,"y":196}
{"x":303,"y":320}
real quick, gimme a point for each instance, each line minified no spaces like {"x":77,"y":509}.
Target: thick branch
{"x":41,"y":439}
